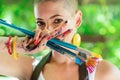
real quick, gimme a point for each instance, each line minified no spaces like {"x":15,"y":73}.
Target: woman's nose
{"x":49,"y":27}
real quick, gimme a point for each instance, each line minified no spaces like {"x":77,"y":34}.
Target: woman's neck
{"x":60,"y":58}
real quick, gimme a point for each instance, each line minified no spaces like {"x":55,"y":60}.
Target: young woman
{"x":60,"y":19}
{"x":54,"y":16}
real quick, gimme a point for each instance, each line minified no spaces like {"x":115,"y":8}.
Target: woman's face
{"x":50,"y":15}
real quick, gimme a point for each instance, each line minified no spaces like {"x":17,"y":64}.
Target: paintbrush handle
{"x":65,"y":44}
{"x":71,"y":46}
{"x":29,"y":33}
{"x":62,"y":50}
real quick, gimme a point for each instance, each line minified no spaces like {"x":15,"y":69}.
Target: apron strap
{"x":40,"y":66}
{"x":83,"y":73}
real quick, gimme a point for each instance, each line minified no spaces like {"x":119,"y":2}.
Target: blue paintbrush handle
{"x":63,"y":51}
{"x":29,"y":33}
{"x":71,"y":46}
{"x":60,"y":49}
{"x":65,"y":44}
{"x":49,"y":44}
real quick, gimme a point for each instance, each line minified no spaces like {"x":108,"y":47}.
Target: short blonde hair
{"x":71,"y":5}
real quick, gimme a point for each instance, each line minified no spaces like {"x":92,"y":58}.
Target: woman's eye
{"x":40,"y":23}
{"x":57,"y":21}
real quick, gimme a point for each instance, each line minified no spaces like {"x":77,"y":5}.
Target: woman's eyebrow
{"x":39,"y":19}
{"x":56,"y":15}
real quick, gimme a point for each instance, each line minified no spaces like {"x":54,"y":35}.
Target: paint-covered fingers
{"x":27,"y":41}
{"x":47,"y":35}
{"x":44,"y":36}
{"x":64,"y":35}
{"x":59,"y":30}
{"x":43,"y":42}
{"x":35,"y":44}
{"x":41,"y":37}
{"x":37,"y":36}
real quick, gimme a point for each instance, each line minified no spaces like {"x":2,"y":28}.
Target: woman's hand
{"x":41,"y":37}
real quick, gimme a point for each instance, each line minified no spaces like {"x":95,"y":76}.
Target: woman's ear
{"x":78,"y":18}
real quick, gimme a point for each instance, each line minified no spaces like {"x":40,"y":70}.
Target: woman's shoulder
{"x":20,"y":68}
{"x":107,"y":71}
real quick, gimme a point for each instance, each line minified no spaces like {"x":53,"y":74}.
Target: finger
{"x":31,"y":46}
{"x":26,"y":41}
{"x":40,"y":46}
{"x":40,"y":34}
{"x":37,"y":36}
{"x":41,"y":37}
{"x":61,"y":29}
{"x":64,"y":35}
{"x":43,"y":41}
{"x":30,"y":40}
{"x":37,"y":33}
{"x":55,"y":33}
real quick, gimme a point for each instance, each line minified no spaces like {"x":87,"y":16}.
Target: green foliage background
{"x":99,"y":30}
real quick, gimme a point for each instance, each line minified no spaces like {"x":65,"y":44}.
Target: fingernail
{"x":49,"y":37}
{"x":35,"y":42}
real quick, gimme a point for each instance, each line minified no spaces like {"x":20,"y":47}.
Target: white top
{"x":91,"y":75}
{"x":41,"y":76}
